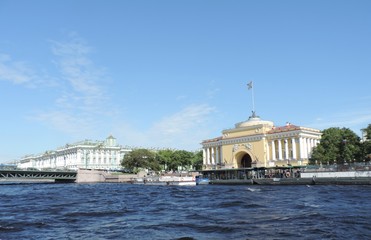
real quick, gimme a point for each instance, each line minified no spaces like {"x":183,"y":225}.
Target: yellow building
{"x":258,"y":143}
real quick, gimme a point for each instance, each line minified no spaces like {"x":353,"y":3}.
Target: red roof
{"x":212,"y":140}
{"x":287,"y":128}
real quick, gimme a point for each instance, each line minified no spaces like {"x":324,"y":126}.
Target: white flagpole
{"x":250,"y":86}
{"x":253,"y":101}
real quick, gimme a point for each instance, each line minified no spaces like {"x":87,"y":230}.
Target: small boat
{"x":202,"y":180}
{"x":166,"y":180}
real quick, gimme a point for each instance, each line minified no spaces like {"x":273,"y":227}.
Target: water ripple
{"x":120,"y":211}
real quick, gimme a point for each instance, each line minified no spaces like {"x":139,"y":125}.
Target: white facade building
{"x":86,"y":154}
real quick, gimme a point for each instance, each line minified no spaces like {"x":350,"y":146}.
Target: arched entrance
{"x":245,"y":161}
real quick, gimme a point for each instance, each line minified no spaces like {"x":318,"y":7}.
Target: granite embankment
{"x":101,"y":176}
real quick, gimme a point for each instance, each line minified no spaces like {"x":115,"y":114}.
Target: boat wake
{"x":253,"y":189}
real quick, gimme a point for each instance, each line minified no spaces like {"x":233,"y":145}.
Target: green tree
{"x":140,"y":159}
{"x":197,"y":160}
{"x":175,"y":161}
{"x":178,"y":159}
{"x":366,"y":150}
{"x":337,"y":146}
{"x":367,"y":130}
{"x":366,"y":145}
{"x":184,"y":158}
{"x":164,"y":158}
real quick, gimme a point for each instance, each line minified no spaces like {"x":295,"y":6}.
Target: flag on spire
{"x":249,"y":85}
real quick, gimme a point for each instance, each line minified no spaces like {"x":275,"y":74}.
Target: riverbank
{"x":294,"y":181}
{"x":306,"y":178}
{"x":290,"y":175}
{"x":101,"y":176}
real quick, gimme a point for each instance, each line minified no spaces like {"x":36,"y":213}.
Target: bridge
{"x":33,"y":175}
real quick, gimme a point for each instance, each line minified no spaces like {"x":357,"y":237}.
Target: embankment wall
{"x":95,"y":176}
{"x":350,"y":174}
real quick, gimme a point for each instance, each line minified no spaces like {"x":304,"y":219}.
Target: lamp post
{"x":344,"y":151}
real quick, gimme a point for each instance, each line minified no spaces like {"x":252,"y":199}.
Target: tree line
{"x":337,"y":146}
{"x":342,"y":146}
{"x":161,"y":160}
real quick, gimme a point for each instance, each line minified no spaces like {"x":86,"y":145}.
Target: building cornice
{"x":241,"y":129}
{"x":297,"y":132}
{"x":233,"y":140}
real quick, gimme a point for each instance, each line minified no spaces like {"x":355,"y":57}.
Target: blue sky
{"x":173,"y":73}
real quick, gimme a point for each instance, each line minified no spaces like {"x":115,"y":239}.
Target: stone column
{"x":311,"y":145}
{"x":273,"y":151}
{"x":213,"y":155}
{"x":208,"y":156}
{"x":293,"y":144}
{"x":305,"y":148}
{"x":286,"y":149}
{"x":221,"y":160}
{"x":204,"y":156}
{"x":279,"y":149}
{"x":308,"y":147}
{"x":217,"y":155}
{"x":301,"y":148}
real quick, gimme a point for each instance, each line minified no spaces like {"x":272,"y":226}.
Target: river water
{"x":124,"y":211}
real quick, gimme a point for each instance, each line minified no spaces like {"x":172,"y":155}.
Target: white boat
{"x":202,"y":180}
{"x":166,"y":180}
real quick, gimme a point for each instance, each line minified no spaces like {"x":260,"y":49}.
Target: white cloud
{"x":80,"y":108}
{"x":22,"y":73}
{"x":62,"y":120}
{"x":184,"y":129}
{"x":82,"y":99}
{"x":16,"y":72}
{"x":354,"y":120}
{"x":183,"y":120}
{"x":181,"y":97}
{"x":77,"y":68}
{"x":212,"y":92}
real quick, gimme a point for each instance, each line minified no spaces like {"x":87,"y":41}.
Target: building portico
{"x":258,"y":143}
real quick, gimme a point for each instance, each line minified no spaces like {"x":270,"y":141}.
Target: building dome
{"x":253,"y":121}
{"x":111,"y":141}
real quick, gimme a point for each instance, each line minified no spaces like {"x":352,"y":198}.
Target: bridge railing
{"x":27,"y":174}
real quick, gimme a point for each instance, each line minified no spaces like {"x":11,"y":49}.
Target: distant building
{"x":85,"y":154}
{"x":258,"y":143}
